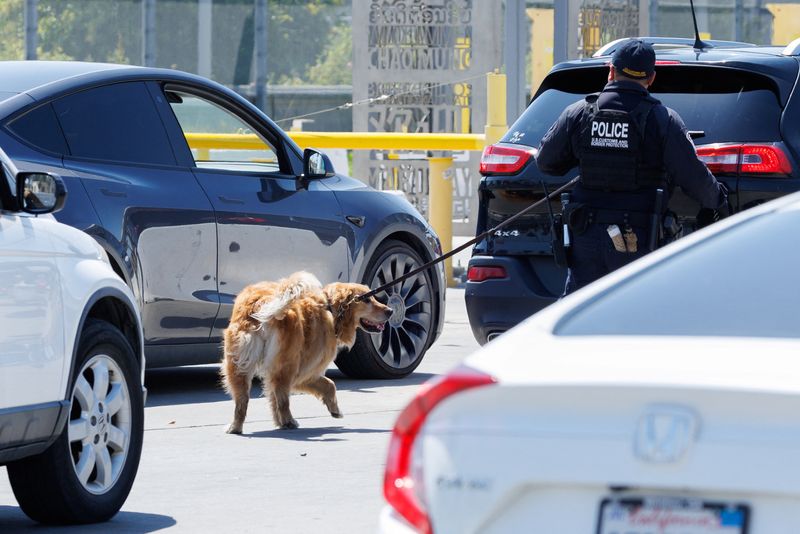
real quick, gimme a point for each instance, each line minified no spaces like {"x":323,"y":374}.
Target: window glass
{"x":40,"y":128}
{"x":116,"y":122}
{"x":741,"y":282}
{"x":728,"y":105}
{"x":219,"y":139}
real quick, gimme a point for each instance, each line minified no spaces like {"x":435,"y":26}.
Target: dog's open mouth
{"x":371,"y":327}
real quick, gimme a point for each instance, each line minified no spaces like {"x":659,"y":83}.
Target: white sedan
{"x":663,"y":399}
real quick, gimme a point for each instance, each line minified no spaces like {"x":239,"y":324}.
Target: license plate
{"x":670,"y":515}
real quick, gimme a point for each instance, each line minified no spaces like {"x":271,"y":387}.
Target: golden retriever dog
{"x":287,"y":333}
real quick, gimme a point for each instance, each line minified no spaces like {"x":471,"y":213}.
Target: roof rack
{"x":662,"y":43}
{"x":793,"y":48}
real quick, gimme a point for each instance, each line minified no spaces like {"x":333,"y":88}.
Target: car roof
{"x":771,"y":60}
{"x":688,"y":55}
{"x":22,"y":76}
{"x":768,"y":61}
{"x":41,"y":79}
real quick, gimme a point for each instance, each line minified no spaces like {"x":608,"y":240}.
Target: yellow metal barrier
{"x":441,"y":188}
{"x":351,"y":140}
{"x":441,"y":218}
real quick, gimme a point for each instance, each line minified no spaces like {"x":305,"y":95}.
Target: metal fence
{"x":309,"y":60}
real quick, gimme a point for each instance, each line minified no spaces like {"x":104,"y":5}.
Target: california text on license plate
{"x":670,"y":515}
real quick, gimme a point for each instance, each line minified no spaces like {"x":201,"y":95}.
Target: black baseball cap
{"x":635,"y":59}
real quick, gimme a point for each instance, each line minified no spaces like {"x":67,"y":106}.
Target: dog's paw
{"x":234,"y":429}
{"x":337,"y":415}
{"x":291,"y":424}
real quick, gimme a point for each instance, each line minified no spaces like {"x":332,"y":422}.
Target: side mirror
{"x":316,"y":164}
{"x":39,"y":193}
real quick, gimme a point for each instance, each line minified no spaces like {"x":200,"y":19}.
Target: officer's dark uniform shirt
{"x":667,"y":145}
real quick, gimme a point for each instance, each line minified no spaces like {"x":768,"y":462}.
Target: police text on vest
{"x":610,"y":134}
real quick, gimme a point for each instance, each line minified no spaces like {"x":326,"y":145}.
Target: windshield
{"x":741,"y":282}
{"x":727,"y":105}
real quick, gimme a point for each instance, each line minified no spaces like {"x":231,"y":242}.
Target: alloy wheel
{"x":406,"y":335}
{"x":100,"y":424}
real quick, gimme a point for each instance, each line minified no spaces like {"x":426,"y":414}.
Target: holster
{"x":672,"y":229}
{"x":560,"y":252}
{"x":577,"y":216}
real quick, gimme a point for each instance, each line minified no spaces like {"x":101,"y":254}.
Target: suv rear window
{"x":729,"y":105}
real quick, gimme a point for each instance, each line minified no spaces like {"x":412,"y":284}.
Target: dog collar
{"x":336,"y":315}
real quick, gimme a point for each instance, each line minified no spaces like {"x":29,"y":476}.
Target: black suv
{"x":742,"y":104}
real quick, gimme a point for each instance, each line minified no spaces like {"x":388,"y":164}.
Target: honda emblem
{"x":664,"y":433}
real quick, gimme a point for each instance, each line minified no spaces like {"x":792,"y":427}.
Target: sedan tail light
{"x":505,"y":158}
{"x":479,"y":273}
{"x":745,"y":159}
{"x":399,"y":482}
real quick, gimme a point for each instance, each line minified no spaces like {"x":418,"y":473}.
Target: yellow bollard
{"x":440,"y":208}
{"x":496,"y":126}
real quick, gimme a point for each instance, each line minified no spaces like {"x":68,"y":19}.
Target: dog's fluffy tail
{"x":295,"y":286}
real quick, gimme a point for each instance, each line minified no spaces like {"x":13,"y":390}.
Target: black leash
{"x":469,"y":243}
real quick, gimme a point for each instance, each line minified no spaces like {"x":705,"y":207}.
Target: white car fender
{"x":82,"y":262}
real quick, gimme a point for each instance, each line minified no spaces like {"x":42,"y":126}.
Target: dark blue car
{"x":194,"y":193}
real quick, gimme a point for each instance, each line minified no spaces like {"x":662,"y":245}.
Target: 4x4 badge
{"x":664,"y":433}
{"x":507,"y":233}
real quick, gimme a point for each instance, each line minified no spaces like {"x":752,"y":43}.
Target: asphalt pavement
{"x":325,"y":477}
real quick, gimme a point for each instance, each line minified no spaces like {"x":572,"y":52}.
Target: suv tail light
{"x":505,"y":159}
{"x":745,"y":159}
{"x":479,"y":273}
{"x":399,"y":482}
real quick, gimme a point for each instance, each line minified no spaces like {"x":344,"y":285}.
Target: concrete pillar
{"x":204,"y":44}
{"x":31,"y":29}
{"x":644,"y":18}
{"x":565,"y":39}
{"x":514,"y":48}
{"x":261,"y":18}
{"x":149,"y":33}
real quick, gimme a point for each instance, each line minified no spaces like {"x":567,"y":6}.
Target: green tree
{"x":87,"y":30}
{"x":335,"y":65}
{"x":308,"y":40}
{"x":12,"y":45}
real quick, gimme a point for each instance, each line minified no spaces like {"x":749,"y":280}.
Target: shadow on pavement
{"x":13,"y":520}
{"x":313,"y":434}
{"x":199,"y":384}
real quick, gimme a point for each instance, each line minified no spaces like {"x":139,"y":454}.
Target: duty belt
{"x":633,"y":218}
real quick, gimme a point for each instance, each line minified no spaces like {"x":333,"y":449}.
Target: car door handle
{"x":227,"y":200}
{"x":117,"y":194}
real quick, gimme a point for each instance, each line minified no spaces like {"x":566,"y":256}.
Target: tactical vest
{"x":611,"y":144}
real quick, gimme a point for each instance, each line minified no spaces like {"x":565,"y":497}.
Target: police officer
{"x":630,"y":149}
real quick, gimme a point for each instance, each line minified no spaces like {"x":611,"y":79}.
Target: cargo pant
{"x":593,"y":255}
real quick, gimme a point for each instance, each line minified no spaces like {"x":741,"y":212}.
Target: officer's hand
{"x":724,"y":210}
{"x":707,"y":216}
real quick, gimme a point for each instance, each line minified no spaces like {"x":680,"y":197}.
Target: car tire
{"x":104,"y":428}
{"x":398,"y":350}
